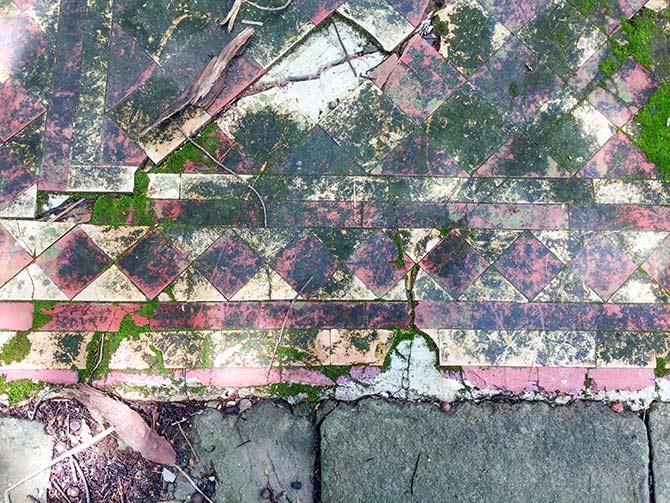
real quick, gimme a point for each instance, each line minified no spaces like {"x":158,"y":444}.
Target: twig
{"x":416,"y":467}
{"x":346,"y":53}
{"x":283,"y":326}
{"x":269,"y":9}
{"x":190,"y":480}
{"x":100,"y":352}
{"x":60,"y":491}
{"x":65,"y":455}
{"x":181,"y":430}
{"x":67,"y":210}
{"x":228,"y":170}
{"x":83,"y":479}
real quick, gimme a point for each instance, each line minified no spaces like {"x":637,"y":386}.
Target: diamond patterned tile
{"x":562,"y":36}
{"x":602,"y":266}
{"x":152,"y":264}
{"x":368,"y":124}
{"x":522,"y":157}
{"x":619,"y":158}
{"x":21,"y":40}
{"x":17,"y":109}
{"x":229,"y":264}
{"x":15,"y":179}
{"x":73,"y":262}
{"x":467,"y":128}
{"x":516,"y":81}
{"x":513,"y":15}
{"x":633,"y":84}
{"x":305,"y":264}
{"x":618,"y":112}
{"x":380,"y":262}
{"x":473,"y":35}
{"x":13,"y":257}
{"x":420,"y":155}
{"x":422,"y":80}
{"x":528,"y":265}
{"x":658,"y":264}
{"x":454,"y":264}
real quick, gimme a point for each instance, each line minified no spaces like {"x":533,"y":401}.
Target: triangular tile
{"x":566,"y":287}
{"x":347,"y":287}
{"x":638,"y":245}
{"x":425,"y":288}
{"x":640,"y":289}
{"x":418,"y":242}
{"x":23,"y":206}
{"x":192,"y":286}
{"x":397,"y":292}
{"x":266,"y":284}
{"x":268,"y":242}
{"x":114,"y":240}
{"x":192,"y":242}
{"x":491,"y":243}
{"x":564,"y":244}
{"x":492,"y":286}
{"x":37,"y":236}
{"x":111,"y":286}
{"x":31,"y":284}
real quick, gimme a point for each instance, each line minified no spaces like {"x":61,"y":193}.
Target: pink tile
{"x":624,"y":379}
{"x":16,"y":315}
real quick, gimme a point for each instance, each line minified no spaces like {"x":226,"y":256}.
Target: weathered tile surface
{"x":483,"y":183}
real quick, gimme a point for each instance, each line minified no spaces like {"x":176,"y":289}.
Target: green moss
{"x":15,"y":349}
{"x":290,"y":354}
{"x":334,"y":372}
{"x":514,"y":89}
{"x":400,"y":257}
{"x":609,"y":67}
{"x":108,"y":343}
{"x":117,"y":210}
{"x":660,"y":370}
{"x":440,"y":28}
{"x":654,"y":121}
{"x":176,"y":162}
{"x":444,"y":231}
{"x":19,"y":390}
{"x":40,"y":317}
{"x":289,"y":390}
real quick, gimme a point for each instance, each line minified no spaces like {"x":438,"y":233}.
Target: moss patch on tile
{"x":19,"y":390}
{"x":645,"y":40}
{"x":118,"y":210}
{"x":176,"y":162}
{"x":654,"y":122}
{"x":15,"y":349}
{"x":40,"y":316}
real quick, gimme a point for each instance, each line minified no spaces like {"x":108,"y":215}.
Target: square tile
{"x":454,"y":264}
{"x":513,"y":15}
{"x":152,"y":264}
{"x":422,"y":80}
{"x":13,"y":257}
{"x":473,"y":35}
{"x":413,"y":10}
{"x":73,"y":262}
{"x":420,"y":155}
{"x":576,"y":136}
{"x":618,"y":112}
{"x":602,"y":266}
{"x":15,"y":179}
{"x":368,"y":124}
{"x":658,"y":264}
{"x":305,"y":264}
{"x":228,"y":264}
{"x":522,"y":157}
{"x":633,"y":84}
{"x":318,"y":10}
{"x":379,"y":262}
{"x":516,"y":81}
{"x":563,"y":37}
{"x":606,"y":14}
{"x":528,"y":265}
{"x":467,"y":128}
{"x":619,"y":158}
{"x":17,"y":109}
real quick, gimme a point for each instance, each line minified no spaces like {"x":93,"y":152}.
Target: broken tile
{"x":386,"y":25}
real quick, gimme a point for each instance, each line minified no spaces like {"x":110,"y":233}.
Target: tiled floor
{"x":486,"y":190}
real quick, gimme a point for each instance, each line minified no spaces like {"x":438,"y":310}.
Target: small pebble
{"x":196,"y":498}
{"x":445,"y":406}
{"x":73,"y":492}
{"x":266,"y":494}
{"x":231,"y":403}
{"x":296,"y":484}
{"x":245,"y":404}
{"x":231,"y":410}
{"x":75,"y":425}
{"x":332,"y":104}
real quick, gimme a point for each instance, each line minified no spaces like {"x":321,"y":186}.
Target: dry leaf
{"x":128,"y":424}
